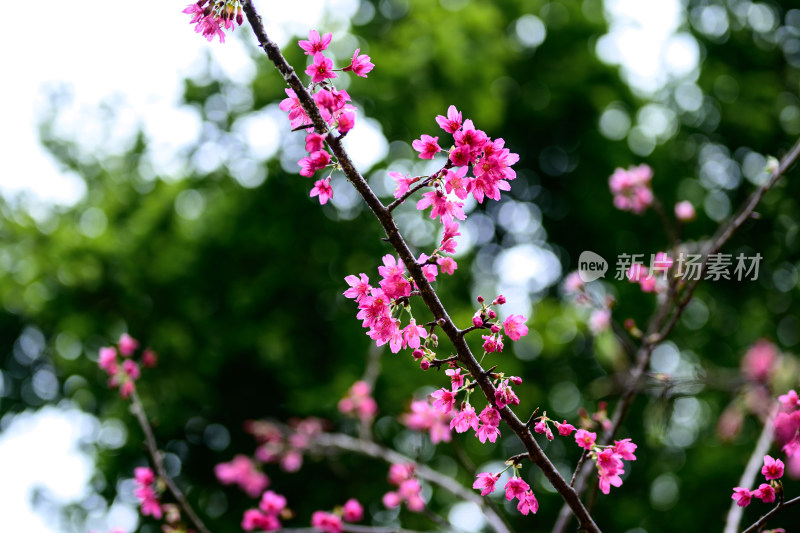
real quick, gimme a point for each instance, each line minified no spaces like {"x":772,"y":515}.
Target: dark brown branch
{"x":761,"y":522}
{"x":158,"y":461}
{"x":429,"y":295}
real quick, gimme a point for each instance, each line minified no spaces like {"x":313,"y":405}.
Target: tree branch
{"x":158,"y":461}
{"x":428,"y":294}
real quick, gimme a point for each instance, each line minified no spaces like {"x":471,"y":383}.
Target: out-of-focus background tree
{"x":215,"y":256}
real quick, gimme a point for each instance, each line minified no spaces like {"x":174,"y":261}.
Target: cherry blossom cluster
{"x":423,"y":416}
{"x":124,"y":374}
{"x":339,"y":115}
{"x":359,"y":402}
{"x":608,"y":459}
{"x":486,"y":425}
{"x":772,"y":471}
{"x":631,"y":188}
{"x":242,"y":471}
{"x":515,"y":487}
{"x":266,"y":517}
{"x":408,"y":490}
{"x":146,"y":492}
{"x":351,"y":511}
{"x":212,"y":17}
{"x":284,"y":447}
{"x":542,"y":427}
{"x":600,"y":317}
{"x":491,"y":166}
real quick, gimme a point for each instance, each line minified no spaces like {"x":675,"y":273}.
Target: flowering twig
{"x":376,"y":451}
{"x":751,"y":471}
{"x":158,"y":461}
{"x":429,"y":295}
{"x":353,"y":528}
{"x":662,"y":323}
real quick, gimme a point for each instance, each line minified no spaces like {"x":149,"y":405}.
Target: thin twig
{"x":353,"y":528}
{"x":158,"y":462}
{"x":751,"y":471}
{"x":761,"y":522}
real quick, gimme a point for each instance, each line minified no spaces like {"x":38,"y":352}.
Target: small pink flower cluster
{"x":515,"y":487}
{"x":124,"y":375}
{"x":787,"y":429}
{"x":425,"y":417}
{"x":607,"y":459}
{"x":242,"y":471}
{"x":265,"y":518}
{"x":377,"y":306}
{"x":772,"y":471}
{"x":275,"y":447}
{"x":351,"y":511}
{"x":214,"y":16}
{"x":332,"y":105}
{"x":514,"y":325}
{"x":631,"y":188}
{"x":542,"y":427}
{"x":649,"y":280}
{"x":408,"y":488}
{"x":145,"y":492}
{"x":760,"y":361}
{"x":358,"y":402}
{"x":491,"y":165}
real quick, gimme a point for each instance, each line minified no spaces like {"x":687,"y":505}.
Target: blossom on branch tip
{"x":465,"y":419}
{"x":456,"y":379}
{"x":631,"y":188}
{"x":486,"y":482}
{"x":447,"y":264}
{"x":515,"y":327}
{"x":790,"y":400}
{"x":452,"y":122}
{"x":327,"y":522}
{"x":528,"y":503}
{"x":684,"y":211}
{"x":765,"y":493}
{"x":403,"y":183}
{"x":315,"y":43}
{"x":443,"y":400}
{"x":323,"y":189}
{"x":564,"y":429}
{"x":352,"y":511}
{"x":625,"y":448}
{"x":359,"y":287}
{"x":127,"y":345}
{"x":214,"y":17}
{"x":360,"y":64}
{"x":516,"y":488}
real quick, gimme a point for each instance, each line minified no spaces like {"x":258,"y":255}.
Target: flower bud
{"x":500,"y":300}
{"x":491,"y":314}
{"x":425,"y":364}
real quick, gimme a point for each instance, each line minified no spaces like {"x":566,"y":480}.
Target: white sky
{"x":138,"y":52}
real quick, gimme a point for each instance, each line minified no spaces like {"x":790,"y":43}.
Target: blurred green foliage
{"x":239,"y":288}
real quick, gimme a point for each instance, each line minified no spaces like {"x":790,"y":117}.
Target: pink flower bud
{"x":500,"y":300}
{"x":491,"y":314}
{"x":425,"y":364}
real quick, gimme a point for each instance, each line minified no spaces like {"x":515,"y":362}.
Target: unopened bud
{"x":425,"y":364}
{"x":417,"y":354}
{"x":500,"y":300}
{"x":491,"y":314}
{"x":480,"y":299}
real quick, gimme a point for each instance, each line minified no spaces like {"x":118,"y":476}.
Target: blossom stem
{"x":158,"y":461}
{"x":761,"y":522}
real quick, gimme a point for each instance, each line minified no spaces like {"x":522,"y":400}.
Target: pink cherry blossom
{"x":599,"y":321}
{"x":360,"y":64}
{"x":323,"y":189}
{"x":352,"y":511}
{"x":255,"y":520}
{"x":327,"y":522}
{"x":625,"y":448}
{"x":456,"y":379}
{"x":564,"y":429}
{"x":359,"y":288}
{"x":427,"y":146}
{"x":773,"y":468}
{"x":412,"y":334}
{"x":315,"y":44}
{"x":272,"y":503}
{"x":542,"y":428}
{"x":403,"y":183}
{"x":346,"y":122}
{"x":631,"y":188}
{"x":742,"y":496}
{"x":127,"y":345}
{"x":486,"y":482}
{"x":516,"y":488}
{"x":765,"y":492}
{"x":321,"y":69}
{"x":442,"y":207}
{"x":452,"y":122}
{"x":515,"y":327}
{"x":789,"y":400}
{"x":760,"y":361}
{"x":528,"y":503}
{"x":447,"y":264}
{"x":107,"y":359}
{"x":465,"y":419}
{"x":443,"y":400}
{"x":503,"y":395}
{"x":585,"y":439}
{"x":457,"y":182}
